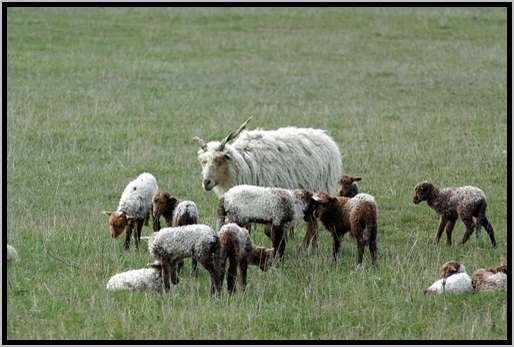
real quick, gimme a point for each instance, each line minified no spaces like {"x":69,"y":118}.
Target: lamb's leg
{"x":173,"y":271}
{"x":449,"y":229}
{"x":470,"y":227}
{"x":130,"y":225}
{"x":372,"y":229}
{"x":267,"y":230}
{"x":232,"y":274}
{"x":194,"y":268}
{"x":335,"y":245}
{"x":243,"y":268}
{"x":489,"y":228}
{"x":147,"y":217}
{"x":279,"y":242}
{"x":209,"y":263}
{"x":311,"y":235}
{"x":440,"y":229}
{"x":137,"y":234}
{"x":165,"y":274}
{"x":358,"y":232}
{"x":156,"y":225}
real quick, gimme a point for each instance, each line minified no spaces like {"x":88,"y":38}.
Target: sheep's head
{"x":317,"y":204}
{"x":215,"y":159}
{"x":346,"y":183}
{"x":263,"y":257}
{"x":162,"y":203}
{"x":118,"y":221}
{"x":423,"y":191}
{"x":450,"y":268}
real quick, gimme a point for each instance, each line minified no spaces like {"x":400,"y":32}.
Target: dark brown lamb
{"x":339,"y":215}
{"x":349,"y":187}
{"x":466,"y":203}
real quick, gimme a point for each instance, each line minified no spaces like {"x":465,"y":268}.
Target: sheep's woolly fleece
{"x":359,"y":199}
{"x":487,"y":280}
{"x":291,"y":157}
{"x":244,"y":204}
{"x":239,"y":236}
{"x":185,"y":208}
{"x":450,"y":198}
{"x":182,"y":242}
{"x":140,"y":279}
{"x":136,"y":199}
{"x":11,"y":253}
{"x":459,"y":282}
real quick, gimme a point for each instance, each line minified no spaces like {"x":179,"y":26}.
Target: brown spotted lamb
{"x":176,"y":213}
{"x":349,"y":187}
{"x":279,"y":208}
{"x":339,"y":215}
{"x":134,"y":208}
{"x":171,"y":245}
{"x":465,"y":203}
{"x":490,"y":279}
{"x":237,"y":247}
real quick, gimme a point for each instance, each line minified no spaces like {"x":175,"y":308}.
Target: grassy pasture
{"x":97,"y":96}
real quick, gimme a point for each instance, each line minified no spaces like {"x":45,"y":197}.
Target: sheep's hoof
{"x":360,"y":268}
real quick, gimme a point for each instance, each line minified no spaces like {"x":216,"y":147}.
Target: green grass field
{"x":97,"y":96}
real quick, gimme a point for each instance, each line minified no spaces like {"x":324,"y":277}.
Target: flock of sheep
{"x":280,"y":179}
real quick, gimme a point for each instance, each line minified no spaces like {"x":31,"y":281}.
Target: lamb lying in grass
{"x":238,"y":249}
{"x":490,"y":279}
{"x":453,"y":203}
{"x":141,"y":279}
{"x":11,"y":253}
{"x":454,"y":279}
{"x":171,"y":245}
{"x":135,"y":207}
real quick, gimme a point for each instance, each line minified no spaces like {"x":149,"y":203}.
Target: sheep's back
{"x":140,"y":279}
{"x":181,"y":242}
{"x":185,"y":213}
{"x":291,"y":158}
{"x":137,"y":197}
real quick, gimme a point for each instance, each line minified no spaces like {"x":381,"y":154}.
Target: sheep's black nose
{"x":208,"y":184}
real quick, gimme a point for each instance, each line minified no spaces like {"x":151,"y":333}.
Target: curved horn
{"x":232,"y":135}
{"x":201,"y":142}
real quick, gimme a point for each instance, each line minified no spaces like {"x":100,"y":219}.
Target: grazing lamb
{"x":453,"y":203}
{"x":176,"y":213}
{"x":349,"y":187}
{"x":454,"y":279}
{"x":276,"y":207}
{"x":490,"y":279}
{"x":237,"y":247}
{"x":11,"y":253}
{"x":339,"y":215}
{"x":135,"y":206}
{"x":171,"y":245}
{"x":141,"y":279}
{"x":289,"y":158}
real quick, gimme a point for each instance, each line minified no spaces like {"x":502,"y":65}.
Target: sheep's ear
{"x":356,"y":178}
{"x":227,"y":156}
{"x":107,"y":213}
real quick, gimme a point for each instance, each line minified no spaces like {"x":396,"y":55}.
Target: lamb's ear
{"x":356,"y":178}
{"x":107,"y":213}
{"x":320,"y":197}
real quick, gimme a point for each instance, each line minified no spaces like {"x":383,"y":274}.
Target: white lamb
{"x":140,"y":279}
{"x":454,"y":279}
{"x":11,"y":253}
{"x":135,"y":206}
{"x":169,"y":246}
{"x":279,"y":208}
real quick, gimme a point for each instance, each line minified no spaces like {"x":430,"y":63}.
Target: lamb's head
{"x":451,"y":267}
{"x":317,"y":204}
{"x":263,"y":257}
{"x":215,"y":159}
{"x":346,"y":183}
{"x":118,"y":221}
{"x":162,"y":202}
{"x":423,"y":191}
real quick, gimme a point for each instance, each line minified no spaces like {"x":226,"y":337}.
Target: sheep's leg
{"x":194,"y":268}
{"x":291,"y":233}
{"x":210,"y":266}
{"x":279,"y":242}
{"x":179,"y":266}
{"x":267,"y":230}
{"x":231,"y":274}
{"x":130,"y":225}
{"x":173,"y":271}
{"x":156,"y":225}
{"x":372,"y":231}
{"x":335,"y":245}
{"x":449,"y":229}
{"x":147,"y":217}
{"x":470,"y":226}
{"x":311,"y":236}
{"x":137,"y":234}
{"x":243,"y":268}
{"x":489,"y":228}
{"x":165,"y":274}
{"x":440,"y":229}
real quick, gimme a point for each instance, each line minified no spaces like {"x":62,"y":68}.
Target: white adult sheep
{"x":135,"y":206}
{"x":291,"y":158}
